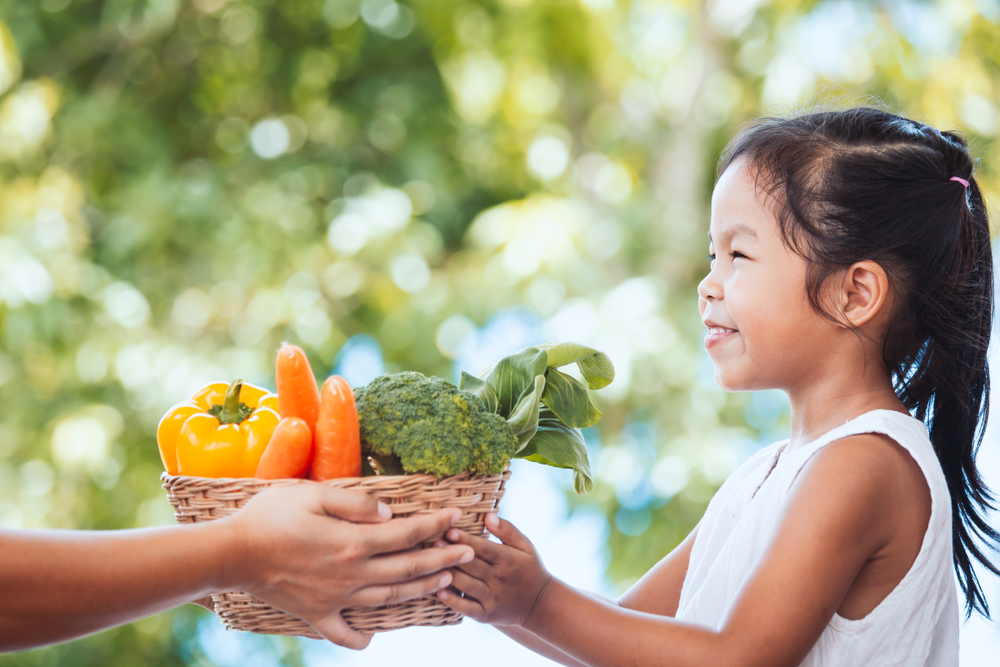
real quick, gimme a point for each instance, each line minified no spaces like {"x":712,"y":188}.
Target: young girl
{"x":851,"y":268}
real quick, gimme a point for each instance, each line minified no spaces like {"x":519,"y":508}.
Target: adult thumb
{"x":353,"y":506}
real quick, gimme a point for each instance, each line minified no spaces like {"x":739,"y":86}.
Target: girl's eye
{"x":734,"y":254}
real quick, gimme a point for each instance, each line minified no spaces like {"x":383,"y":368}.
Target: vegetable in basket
{"x":298,"y":395}
{"x":337,"y":442}
{"x":526,"y":408}
{"x":413,"y":423}
{"x":329,"y":415}
{"x":240,"y":430}
{"x":289,"y":453}
{"x":221,"y":432}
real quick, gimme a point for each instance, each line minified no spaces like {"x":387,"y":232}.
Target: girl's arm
{"x":841,"y":512}
{"x":538,"y":645}
{"x":657,"y":592}
{"x":294,"y":547}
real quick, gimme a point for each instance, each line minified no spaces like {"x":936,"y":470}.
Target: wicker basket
{"x":197,"y":499}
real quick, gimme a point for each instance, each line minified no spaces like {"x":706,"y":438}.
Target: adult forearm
{"x":592,"y":631}
{"x":57,"y":585}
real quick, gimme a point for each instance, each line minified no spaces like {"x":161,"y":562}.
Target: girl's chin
{"x":735,"y":383}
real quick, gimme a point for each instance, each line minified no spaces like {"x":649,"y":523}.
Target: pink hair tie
{"x":960,"y":180}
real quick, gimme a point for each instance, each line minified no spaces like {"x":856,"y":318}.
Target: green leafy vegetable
{"x":567,"y":397}
{"x":514,"y":376}
{"x":594,"y":366}
{"x":524,"y":420}
{"x":545,"y":407}
{"x":556,"y":444}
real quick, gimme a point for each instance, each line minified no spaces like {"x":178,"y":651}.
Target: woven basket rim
{"x":419,"y":476}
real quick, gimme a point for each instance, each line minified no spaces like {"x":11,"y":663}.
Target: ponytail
{"x":949,"y":388}
{"x":866,"y":184}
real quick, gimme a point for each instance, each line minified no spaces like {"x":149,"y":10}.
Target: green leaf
{"x":595,"y":366}
{"x":483,"y":374}
{"x":558,"y":445}
{"x":481,"y":389}
{"x":514,"y":376}
{"x":546,"y":407}
{"x":524,"y":420}
{"x":567,"y":397}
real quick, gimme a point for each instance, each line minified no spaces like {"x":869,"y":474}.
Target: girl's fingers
{"x":508,"y":534}
{"x":467,"y":606}
{"x":401,"y":567}
{"x":477,"y":568}
{"x":336,"y":629}
{"x":376,"y":596}
{"x":488,"y":551}
{"x":471,"y":586}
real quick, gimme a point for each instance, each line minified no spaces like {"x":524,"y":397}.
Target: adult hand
{"x":312,"y":550}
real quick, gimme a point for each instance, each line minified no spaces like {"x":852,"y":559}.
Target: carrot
{"x":297,"y":392}
{"x":289,"y":452}
{"x":338,"y":436}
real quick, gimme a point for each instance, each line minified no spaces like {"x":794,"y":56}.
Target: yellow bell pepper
{"x":221,"y":432}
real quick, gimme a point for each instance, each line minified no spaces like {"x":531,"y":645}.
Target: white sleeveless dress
{"x":915,"y":625}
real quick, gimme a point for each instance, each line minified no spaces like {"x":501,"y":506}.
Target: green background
{"x":184,"y":185}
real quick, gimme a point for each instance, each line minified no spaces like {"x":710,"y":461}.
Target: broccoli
{"x":411,"y":423}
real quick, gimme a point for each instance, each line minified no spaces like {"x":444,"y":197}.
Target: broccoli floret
{"x":412,"y":423}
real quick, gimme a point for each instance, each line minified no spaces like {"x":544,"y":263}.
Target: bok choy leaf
{"x":545,"y":407}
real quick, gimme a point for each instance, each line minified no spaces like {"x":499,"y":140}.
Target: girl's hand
{"x":503,"y":585}
{"x":312,"y":550}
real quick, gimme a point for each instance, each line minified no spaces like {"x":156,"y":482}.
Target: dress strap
{"x":906,"y":431}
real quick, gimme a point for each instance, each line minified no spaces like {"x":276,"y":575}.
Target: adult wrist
{"x":232,"y":556}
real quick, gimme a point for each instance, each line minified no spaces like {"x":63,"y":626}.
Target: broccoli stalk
{"x":411,"y":423}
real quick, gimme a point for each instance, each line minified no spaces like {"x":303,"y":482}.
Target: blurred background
{"x":423,"y":185}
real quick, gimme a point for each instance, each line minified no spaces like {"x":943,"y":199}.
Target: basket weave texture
{"x":199,"y":499}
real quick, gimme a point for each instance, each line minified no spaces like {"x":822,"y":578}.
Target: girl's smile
{"x":717,"y":334}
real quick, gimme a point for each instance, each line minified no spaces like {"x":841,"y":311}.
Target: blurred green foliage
{"x":185,"y":184}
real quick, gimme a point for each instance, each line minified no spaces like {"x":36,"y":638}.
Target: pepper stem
{"x":232,"y":411}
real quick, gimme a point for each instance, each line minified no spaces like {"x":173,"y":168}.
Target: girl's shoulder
{"x":872,"y":459}
{"x":896,"y":430}
{"x":887,"y":450}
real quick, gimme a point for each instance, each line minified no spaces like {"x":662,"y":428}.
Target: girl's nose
{"x":709,"y":288}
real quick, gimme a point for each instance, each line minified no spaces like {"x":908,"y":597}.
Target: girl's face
{"x":763,"y":333}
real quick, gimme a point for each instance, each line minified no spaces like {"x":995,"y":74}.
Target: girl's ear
{"x":864,"y":292}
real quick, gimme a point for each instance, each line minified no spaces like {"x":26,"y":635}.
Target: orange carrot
{"x":297,"y":392}
{"x":338,"y":436}
{"x":289,"y":452}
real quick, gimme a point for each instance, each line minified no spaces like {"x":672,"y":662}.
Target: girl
{"x":850,"y":268}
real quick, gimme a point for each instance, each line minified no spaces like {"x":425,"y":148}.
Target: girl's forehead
{"x":739,"y":207}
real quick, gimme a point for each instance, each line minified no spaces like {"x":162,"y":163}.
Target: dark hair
{"x":865,"y":184}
